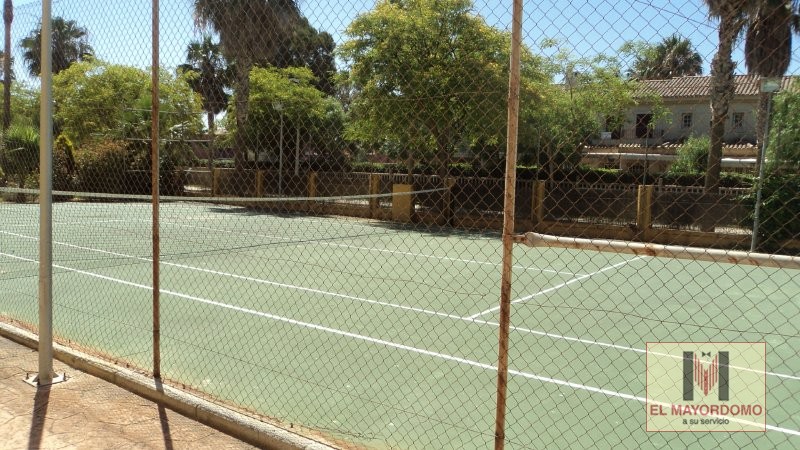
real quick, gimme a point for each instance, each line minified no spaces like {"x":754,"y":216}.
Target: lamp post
{"x":278,"y":106}
{"x":769,"y":86}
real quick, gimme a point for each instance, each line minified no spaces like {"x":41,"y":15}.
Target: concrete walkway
{"x":87,"y":413}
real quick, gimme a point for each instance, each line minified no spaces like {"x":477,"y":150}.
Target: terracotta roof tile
{"x":700,"y":86}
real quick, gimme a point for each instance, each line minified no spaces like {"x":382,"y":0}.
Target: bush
{"x":780,"y":210}
{"x":101,"y":167}
{"x":20,"y":154}
{"x":692,"y":156}
{"x":63,"y":164}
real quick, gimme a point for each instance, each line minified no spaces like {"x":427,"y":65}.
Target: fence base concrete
{"x":240,"y":426}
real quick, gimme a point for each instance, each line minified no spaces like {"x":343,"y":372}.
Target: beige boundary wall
{"x":404,"y":209}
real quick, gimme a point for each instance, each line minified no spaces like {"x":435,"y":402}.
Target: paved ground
{"x":87,"y":413}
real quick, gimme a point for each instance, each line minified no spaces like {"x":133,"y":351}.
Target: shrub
{"x":779,"y":218}
{"x":692,"y":156}
{"x":20,"y":154}
{"x":63,"y":164}
{"x":101,"y":167}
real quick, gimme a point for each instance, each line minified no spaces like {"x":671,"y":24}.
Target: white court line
{"x":557,"y":287}
{"x":252,"y":279}
{"x":389,"y":344}
{"x":394,"y":252}
{"x":377,"y":302}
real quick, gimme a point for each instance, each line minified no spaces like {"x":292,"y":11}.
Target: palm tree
{"x":673,"y":57}
{"x":8,"y":17}
{"x":251,"y":32}
{"x":210,"y":76}
{"x":70,"y":45}
{"x":768,"y":45}
{"x":731,"y":16}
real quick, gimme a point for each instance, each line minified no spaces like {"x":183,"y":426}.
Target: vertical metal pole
{"x":154,"y":153}
{"x":760,"y":183}
{"x":280,"y":158}
{"x":46,"y":202}
{"x":508,"y":226}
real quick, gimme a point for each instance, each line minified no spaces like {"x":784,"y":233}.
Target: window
{"x":738,"y":120}
{"x":643,"y":129}
{"x":686,"y":121}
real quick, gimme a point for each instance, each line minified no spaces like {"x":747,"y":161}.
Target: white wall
{"x":672,"y":126}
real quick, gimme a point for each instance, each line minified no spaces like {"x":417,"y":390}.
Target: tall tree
{"x":312,"y":49}
{"x":429,"y":75}
{"x":8,"y":17}
{"x":731,"y":15}
{"x":673,"y":57}
{"x":209,"y":75}
{"x":768,"y":45}
{"x":70,"y":45}
{"x":251,"y":32}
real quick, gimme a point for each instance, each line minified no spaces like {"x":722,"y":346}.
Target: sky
{"x":120,"y":30}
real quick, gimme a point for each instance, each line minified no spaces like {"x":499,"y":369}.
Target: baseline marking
{"x":557,"y":287}
{"x":381,"y":342}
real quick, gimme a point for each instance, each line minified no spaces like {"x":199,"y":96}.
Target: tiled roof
{"x":700,"y":86}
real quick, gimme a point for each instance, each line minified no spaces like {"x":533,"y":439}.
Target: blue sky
{"x":119,"y":30}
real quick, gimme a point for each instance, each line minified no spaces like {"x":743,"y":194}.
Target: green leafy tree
{"x":70,"y":45}
{"x":586,"y":94}
{"x":252,"y":32}
{"x":314,"y":50}
{"x":95,"y":99}
{"x":305,"y":109}
{"x":25,"y":104}
{"x":429,"y":75}
{"x":783,"y":152}
{"x":673,"y":57}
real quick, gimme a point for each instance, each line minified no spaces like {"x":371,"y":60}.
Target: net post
{"x":644,"y":211}
{"x":215,"y":176}
{"x":259,"y":183}
{"x":402,"y":202}
{"x":508,"y":226}
{"x":374,"y":189}
{"x":312,"y":189}
{"x":447,"y":213}
{"x":154,"y":154}
{"x":537,"y":203}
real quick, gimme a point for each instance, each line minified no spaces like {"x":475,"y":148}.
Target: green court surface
{"x":386,"y":335}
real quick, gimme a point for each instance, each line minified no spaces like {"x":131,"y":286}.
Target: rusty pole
{"x":508,"y":225}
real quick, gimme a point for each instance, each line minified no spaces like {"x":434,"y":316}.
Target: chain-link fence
{"x":331,"y":180}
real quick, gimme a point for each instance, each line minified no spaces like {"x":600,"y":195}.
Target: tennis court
{"x":386,"y":335}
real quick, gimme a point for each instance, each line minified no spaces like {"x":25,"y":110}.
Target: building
{"x":687,"y":101}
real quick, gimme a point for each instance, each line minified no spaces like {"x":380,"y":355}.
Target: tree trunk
{"x":722,"y":91}
{"x":8,"y":17}
{"x":211,"y":135}
{"x":241,"y":98}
